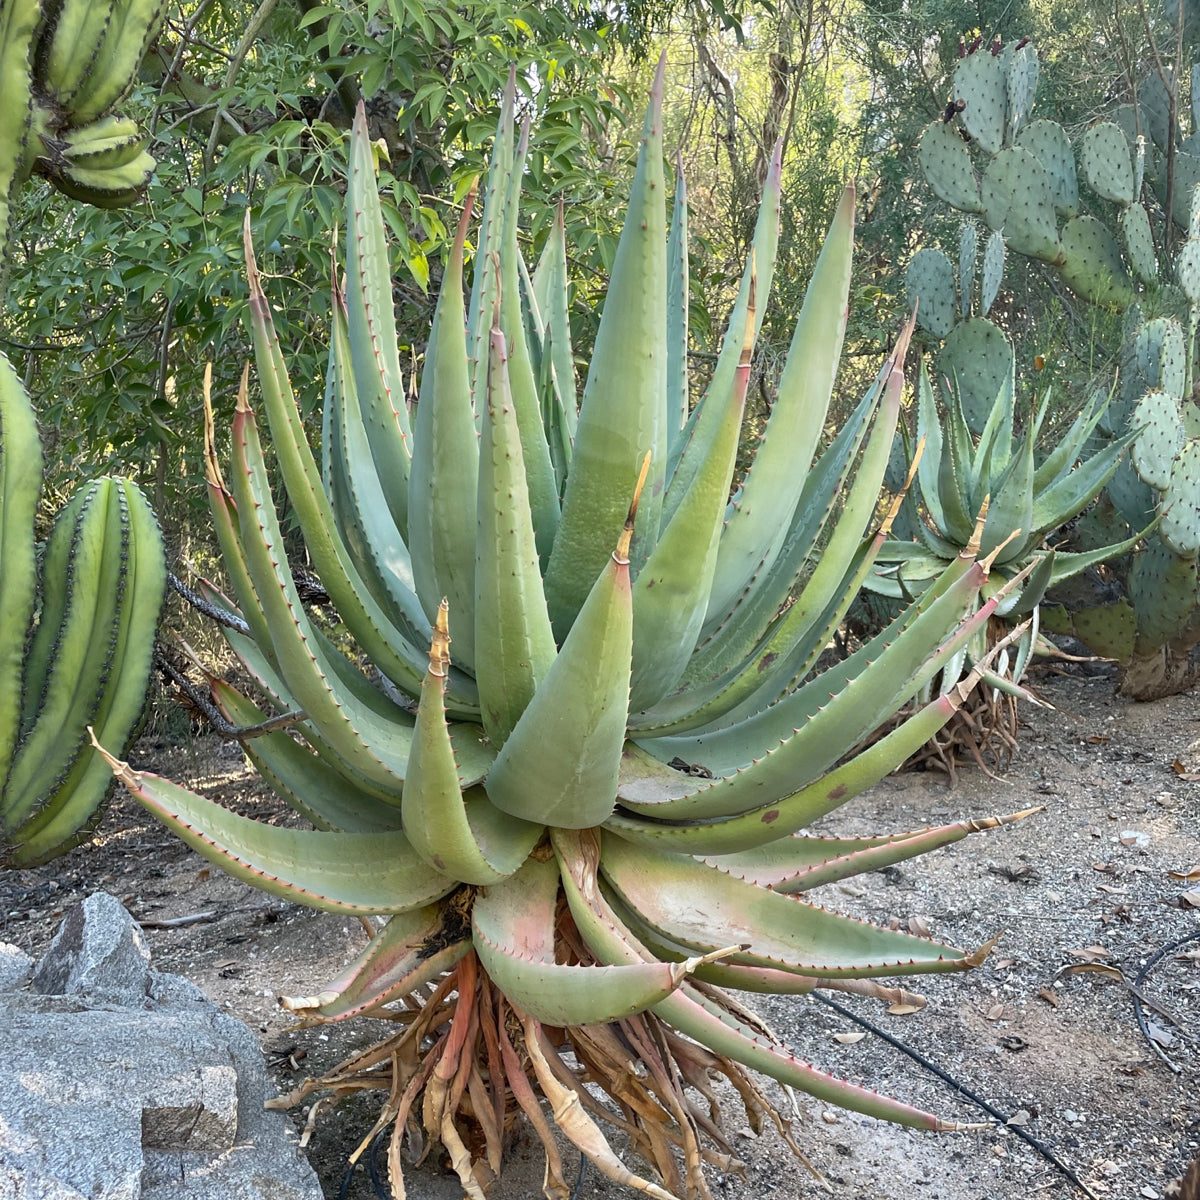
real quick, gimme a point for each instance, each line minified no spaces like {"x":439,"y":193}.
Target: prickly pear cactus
{"x":985,"y":155}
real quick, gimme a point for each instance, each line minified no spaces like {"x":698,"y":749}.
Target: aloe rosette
{"x":997,"y":488}
{"x":583,"y":816}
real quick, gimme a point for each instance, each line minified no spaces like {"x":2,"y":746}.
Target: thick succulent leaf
{"x":1073,"y":491}
{"x":804,"y":861}
{"x":693,"y":1014}
{"x":309,"y":677}
{"x":339,"y":872}
{"x":802,"y":736}
{"x":772,"y":928}
{"x":485,"y":285}
{"x":678,"y":300}
{"x":368,"y":532}
{"x":227,"y":527}
{"x":796,"y":637}
{"x":560,"y":402}
{"x":514,"y":924}
{"x":795,"y":808}
{"x":1066,"y":449}
{"x":726,"y":646}
{"x":397,"y":657}
{"x":623,"y":413}
{"x":309,"y":784}
{"x":445,"y":824}
{"x":761,"y":510}
{"x":540,"y":478}
{"x":694,"y":445}
{"x":372,"y":325}
{"x":411,"y":950}
{"x":560,"y":763}
{"x":670,"y":594}
{"x":1010,"y":514}
{"x":444,"y":478}
{"x":513,"y":640}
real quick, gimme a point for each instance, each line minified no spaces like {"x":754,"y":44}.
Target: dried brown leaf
{"x":1094,"y":968}
{"x":849,"y":1039}
{"x":1050,"y":996}
{"x":1183,"y":772}
{"x":919,"y":926}
{"x":995,"y":1012}
{"x":1190,"y":875}
{"x":1021,"y":1117}
{"x":903,"y":1010}
{"x":1090,"y":953}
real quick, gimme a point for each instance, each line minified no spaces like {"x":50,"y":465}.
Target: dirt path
{"x":1085,"y":884}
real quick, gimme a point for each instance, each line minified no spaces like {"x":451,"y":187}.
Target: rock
{"x":15,"y":968}
{"x":99,"y":952}
{"x":155,"y":1095}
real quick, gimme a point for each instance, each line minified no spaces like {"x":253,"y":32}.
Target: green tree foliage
{"x":113,"y":314}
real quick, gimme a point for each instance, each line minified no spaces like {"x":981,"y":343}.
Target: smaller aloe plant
{"x":583,"y":817}
{"x":76,"y":639}
{"x":959,"y":483}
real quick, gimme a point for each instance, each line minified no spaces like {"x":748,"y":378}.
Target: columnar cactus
{"x":76,"y":639}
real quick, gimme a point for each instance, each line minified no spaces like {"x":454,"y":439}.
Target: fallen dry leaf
{"x":1190,"y":875}
{"x":1096,"y":740}
{"x":849,"y":1039}
{"x":903,"y":1010}
{"x":1190,"y":899}
{"x":1020,"y":1117}
{"x":1135,"y":837}
{"x":995,"y":1012}
{"x":1094,"y":968}
{"x":1050,"y":996}
{"x":1183,"y":772}
{"x":1090,"y":953}
{"x":919,"y":926}
{"x":1113,"y":889}
{"x":1105,"y":868}
{"x":1003,"y":964}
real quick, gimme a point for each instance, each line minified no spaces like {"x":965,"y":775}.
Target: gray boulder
{"x":118,"y":1082}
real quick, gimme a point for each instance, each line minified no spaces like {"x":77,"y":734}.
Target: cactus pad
{"x":1180,"y":526}
{"x":1155,"y":107}
{"x":1047,"y":141}
{"x":1105,"y":157}
{"x":929,"y":283}
{"x":1139,"y":243}
{"x":981,"y":82}
{"x":1135,"y":500}
{"x":1109,"y":629}
{"x":979,"y":358}
{"x":946,"y":162}
{"x":1022,"y":86}
{"x":1160,"y":356}
{"x":1160,"y":440}
{"x":1017,"y":199}
{"x":968,"y":246}
{"x":1187,"y":269}
{"x":993,"y":271}
{"x":1186,"y":177}
{"x":1162,"y":587}
{"x":1092,"y":264}
{"x":1189,"y":413}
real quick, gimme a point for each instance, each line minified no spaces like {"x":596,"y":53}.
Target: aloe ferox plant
{"x":581,"y":818}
